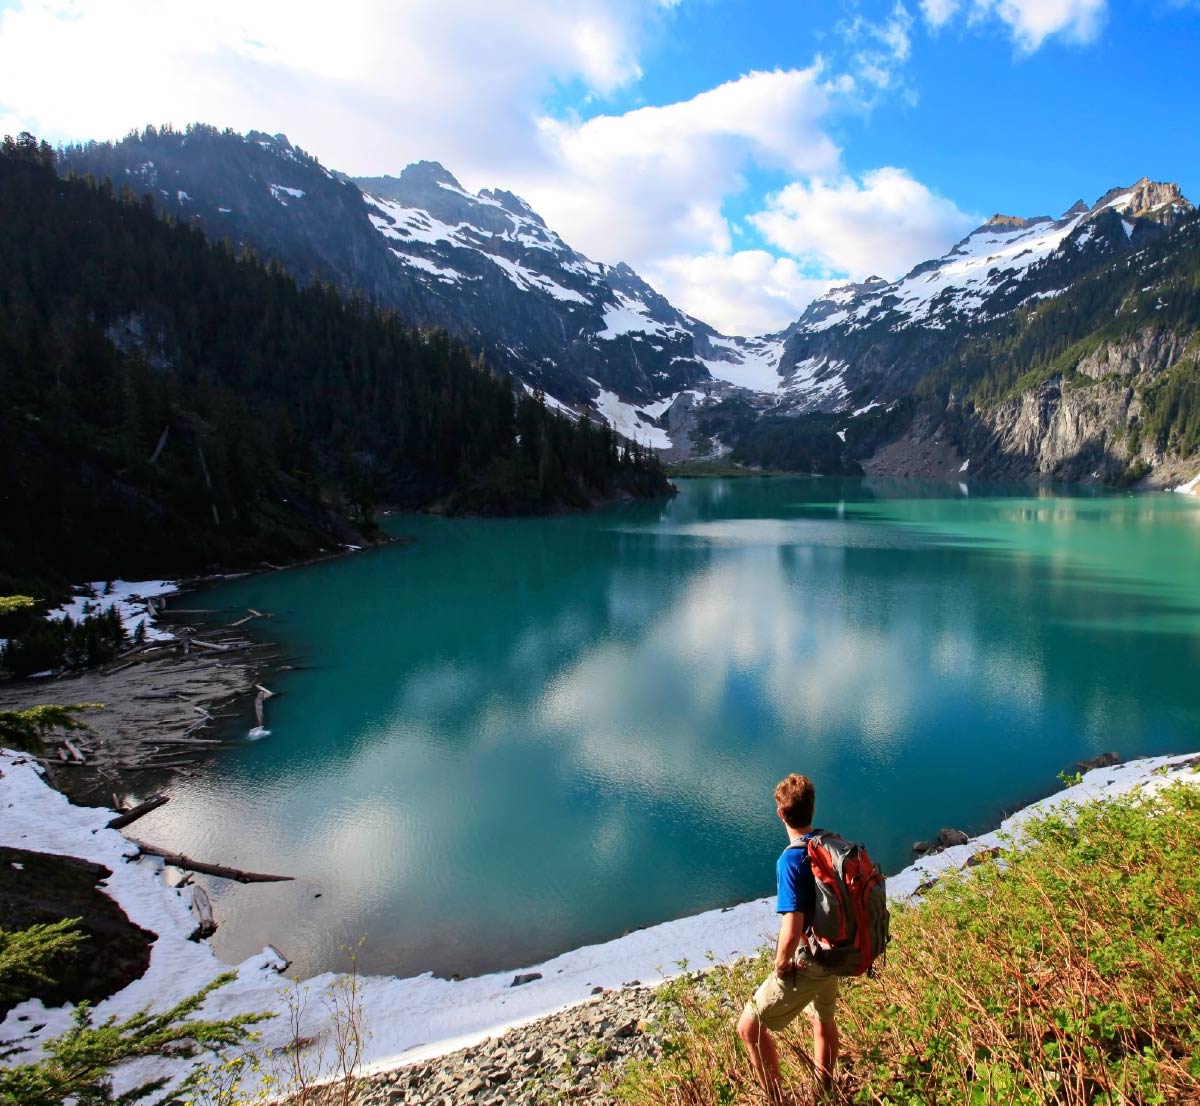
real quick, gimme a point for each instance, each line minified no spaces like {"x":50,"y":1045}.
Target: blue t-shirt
{"x":797,"y":890}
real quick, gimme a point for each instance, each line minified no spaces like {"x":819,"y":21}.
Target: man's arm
{"x":791,"y":933}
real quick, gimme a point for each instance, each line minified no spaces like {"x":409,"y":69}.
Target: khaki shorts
{"x":777,"y":1001}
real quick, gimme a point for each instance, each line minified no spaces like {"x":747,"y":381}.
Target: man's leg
{"x":764,"y":1057}
{"x":825,"y":1051}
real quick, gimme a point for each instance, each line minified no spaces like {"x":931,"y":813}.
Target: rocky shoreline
{"x":166,"y":706}
{"x":577,"y":1055}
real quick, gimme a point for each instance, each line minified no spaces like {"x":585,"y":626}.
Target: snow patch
{"x":407,"y":224}
{"x":660,"y":406}
{"x":551,"y":402}
{"x":1192,"y":487}
{"x":530,"y":280}
{"x":752,"y":363}
{"x":446,"y":276}
{"x":624,"y":419}
{"x":128,"y":596}
{"x":817,"y":380}
{"x":628,"y":316}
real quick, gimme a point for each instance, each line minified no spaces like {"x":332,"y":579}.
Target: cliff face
{"x":1060,"y":432}
{"x":1096,"y":423}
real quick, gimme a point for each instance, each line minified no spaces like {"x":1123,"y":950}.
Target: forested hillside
{"x":168,"y":406}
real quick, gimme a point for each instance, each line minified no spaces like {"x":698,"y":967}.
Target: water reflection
{"x":570,"y":727}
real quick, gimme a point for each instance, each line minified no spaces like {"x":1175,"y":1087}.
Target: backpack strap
{"x":803,"y":842}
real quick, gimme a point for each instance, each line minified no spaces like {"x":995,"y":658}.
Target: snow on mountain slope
{"x":636,"y":350}
{"x":877,"y":337}
{"x":969,"y":272}
{"x":746,"y":362}
{"x":596,"y":337}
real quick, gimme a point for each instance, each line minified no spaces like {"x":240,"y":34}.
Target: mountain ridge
{"x":596,"y":337}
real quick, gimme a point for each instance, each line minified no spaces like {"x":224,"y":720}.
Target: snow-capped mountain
{"x":875,"y":339}
{"x":597,"y":337}
{"x":486,"y":267}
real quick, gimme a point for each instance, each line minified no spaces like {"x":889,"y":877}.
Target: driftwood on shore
{"x":202,"y":908}
{"x":221,"y":870}
{"x":167,"y":705}
{"x":262,"y":696}
{"x":134,"y":813}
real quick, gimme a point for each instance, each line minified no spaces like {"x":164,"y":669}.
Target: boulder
{"x":1104,"y":760}
{"x":949,"y":837}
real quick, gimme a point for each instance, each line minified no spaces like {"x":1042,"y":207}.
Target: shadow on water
{"x":527,"y":735}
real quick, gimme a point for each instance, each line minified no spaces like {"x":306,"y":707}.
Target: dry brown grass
{"x":1065,"y":973}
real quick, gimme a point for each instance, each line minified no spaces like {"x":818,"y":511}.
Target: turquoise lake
{"x":511,"y":738}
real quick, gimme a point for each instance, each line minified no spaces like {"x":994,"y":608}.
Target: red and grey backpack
{"x":850,"y":921}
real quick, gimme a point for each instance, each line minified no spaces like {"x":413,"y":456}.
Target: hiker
{"x":798,"y":982}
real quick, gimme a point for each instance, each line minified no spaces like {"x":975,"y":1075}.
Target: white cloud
{"x":884,"y":224}
{"x":366,"y":84}
{"x":937,"y":12}
{"x":740,"y":292}
{"x":879,"y":50}
{"x":651,"y":182}
{"x":1030,"y":22}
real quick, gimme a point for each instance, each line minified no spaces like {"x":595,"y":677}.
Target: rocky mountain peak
{"x":1144,"y":197}
{"x":1013,"y":222}
{"x":1077,"y":208}
{"x":428,"y":172}
{"x":1002,"y":223}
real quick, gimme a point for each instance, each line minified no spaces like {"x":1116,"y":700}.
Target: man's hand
{"x":791,"y":931}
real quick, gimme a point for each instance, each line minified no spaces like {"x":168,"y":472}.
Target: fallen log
{"x":202,"y":908}
{"x":134,"y":813}
{"x":211,"y":645}
{"x":74,"y":750}
{"x":119,"y":668}
{"x":222,"y":870}
{"x":262,"y":696}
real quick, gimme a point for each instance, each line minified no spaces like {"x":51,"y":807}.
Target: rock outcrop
{"x":575,"y":1056}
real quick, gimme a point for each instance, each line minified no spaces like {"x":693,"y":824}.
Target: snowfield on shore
{"x":412,"y":1019}
{"x":130,"y":597}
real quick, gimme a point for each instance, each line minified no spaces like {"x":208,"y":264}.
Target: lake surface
{"x":517,"y":737}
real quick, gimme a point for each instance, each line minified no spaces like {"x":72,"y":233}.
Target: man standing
{"x":798,"y":981}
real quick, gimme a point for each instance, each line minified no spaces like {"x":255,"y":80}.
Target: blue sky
{"x":741,"y":154}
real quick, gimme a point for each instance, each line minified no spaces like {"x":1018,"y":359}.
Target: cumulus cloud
{"x":884,"y":223}
{"x":652,"y":181}
{"x":364,"y":83}
{"x":739,"y":292}
{"x":1030,"y":22}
